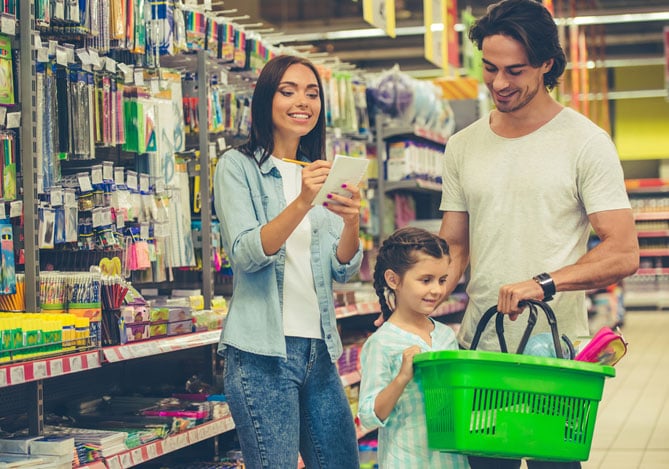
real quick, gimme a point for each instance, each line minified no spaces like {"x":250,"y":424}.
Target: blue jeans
{"x":282,"y":406}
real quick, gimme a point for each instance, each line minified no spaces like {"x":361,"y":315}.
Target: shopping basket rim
{"x":481,"y":356}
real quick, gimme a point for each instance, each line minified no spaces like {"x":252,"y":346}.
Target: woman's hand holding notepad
{"x":345,"y":170}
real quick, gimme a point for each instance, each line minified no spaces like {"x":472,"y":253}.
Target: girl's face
{"x":296,"y":104}
{"x":422,"y":287}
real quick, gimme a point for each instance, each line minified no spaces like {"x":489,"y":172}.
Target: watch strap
{"x":547,"y":284}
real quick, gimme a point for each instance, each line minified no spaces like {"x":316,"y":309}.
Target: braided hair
{"x":398,"y":253}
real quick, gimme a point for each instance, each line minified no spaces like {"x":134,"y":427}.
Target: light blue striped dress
{"x":403,"y":435}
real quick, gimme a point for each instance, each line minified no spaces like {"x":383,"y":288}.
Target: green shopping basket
{"x":505,"y":405}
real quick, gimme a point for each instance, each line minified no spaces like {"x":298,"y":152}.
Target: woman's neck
{"x":285,"y":149}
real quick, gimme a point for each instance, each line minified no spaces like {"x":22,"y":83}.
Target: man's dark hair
{"x":311,"y":145}
{"x":531,"y":24}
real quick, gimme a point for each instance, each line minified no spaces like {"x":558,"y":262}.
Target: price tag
{"x":108,"y":171}
{"x":61,"y":56}
{"x":3,"y":378}
{"x":17,"y":374}
{"x":84,"y":182}
{"x":39,"y":370}
{"x":13,"y":120}
{"x":110,"y":64}
{"x":56,"y":367}
{"x":131,"y":180}
{"x":16,"y":208}
{"x":119,"y":176}
{"x":75,"y":363}
{"x":136,"y":455}
{"x":144,"y":234}
{"x":181,"y":441}
{"x":97,"y":217}
{"x":84,"y":58}
{"x":139,"y":77}
{"x":69,"y":197}
{"x":8,"y":25}
{"x":126,"y":352}
{"x":56,"y":196}
{"x":94,"y":58}
{"x":3,"y":213}
{"x":113,"y":463}
{"x":96,"y":174}
{"x":126,"y":460}
{"x":144,"y":183}
{"x":43,"y":54}
{"x":152,"y":451}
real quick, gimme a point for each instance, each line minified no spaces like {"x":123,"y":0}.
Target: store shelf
{"x":646,"y":299}
{"x":413,"y":185}
{"x":653,"y":271}
{"x":653,"y":234}
{"x":651,"y":215}
{"x":392,"y":132}
{"x":358,"y":309}
{"x":653,"y":252}
{"x":350,"y":378}
{"x":155,"y":449}
{"x":149,"y":348}
{"x":19,"y":373}
{"x":93,"y":465}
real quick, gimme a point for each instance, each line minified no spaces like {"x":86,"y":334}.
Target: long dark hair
{"x":312,"y":145}
{"x":398,"y":253}
{"x":531,"y":24}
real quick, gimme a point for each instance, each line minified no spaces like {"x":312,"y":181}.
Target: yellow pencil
{"x":301,"y":163}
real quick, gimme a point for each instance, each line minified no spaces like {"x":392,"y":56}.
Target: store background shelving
{"x":649,"y":287}
{"x":29,"y":385}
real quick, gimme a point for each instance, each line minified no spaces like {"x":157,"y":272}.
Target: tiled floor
{"x":632,"y":428}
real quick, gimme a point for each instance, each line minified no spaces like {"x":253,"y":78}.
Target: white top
{"x":528,"y":200}
{"x":403,"y":435}
{"x":300,"y":305}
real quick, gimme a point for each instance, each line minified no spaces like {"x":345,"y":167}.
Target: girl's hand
{"x":313,"y":178}
{"x":346,"y":207}
{"x":406,"y":369}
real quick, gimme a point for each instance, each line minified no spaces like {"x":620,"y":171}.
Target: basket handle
{"x":531,"y":321}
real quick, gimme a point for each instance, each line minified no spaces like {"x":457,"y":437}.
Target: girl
{"x":280,"y":339}
{"x":410,"y":274}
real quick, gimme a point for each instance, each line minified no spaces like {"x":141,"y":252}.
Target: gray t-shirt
{"x":528,"y":201}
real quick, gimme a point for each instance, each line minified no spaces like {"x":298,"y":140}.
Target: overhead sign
{"x":442,"y":46}
{"x":471,"y":55}
{"x":381,"y":14}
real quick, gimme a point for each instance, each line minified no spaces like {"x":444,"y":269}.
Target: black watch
{"x":547,"y":284}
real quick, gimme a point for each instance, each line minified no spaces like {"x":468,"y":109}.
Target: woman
{"x":280,"y":339}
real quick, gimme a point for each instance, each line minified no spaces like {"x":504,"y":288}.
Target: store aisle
{"x":632,"y":428}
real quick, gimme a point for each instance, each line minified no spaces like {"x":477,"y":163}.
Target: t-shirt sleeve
{"x":452,"y":196}
{"x":601,"y":182}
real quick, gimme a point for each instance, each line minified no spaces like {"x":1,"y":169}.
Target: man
{"x":524,"y":185}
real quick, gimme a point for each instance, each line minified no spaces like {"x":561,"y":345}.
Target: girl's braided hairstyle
{"x":398,"y":253}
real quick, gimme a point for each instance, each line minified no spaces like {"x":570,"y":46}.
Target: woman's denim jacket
{"x":246,"y":197}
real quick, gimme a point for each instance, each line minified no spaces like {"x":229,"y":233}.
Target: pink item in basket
{"x":607,"y":347}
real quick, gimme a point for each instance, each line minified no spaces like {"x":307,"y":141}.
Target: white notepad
{"x":345,"y":170}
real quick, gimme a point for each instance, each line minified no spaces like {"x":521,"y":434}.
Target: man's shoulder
{"x":574,"y":118}
{"x":479,"y":125}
